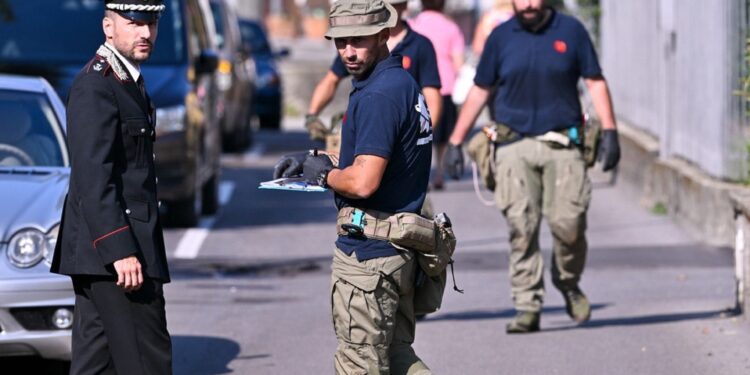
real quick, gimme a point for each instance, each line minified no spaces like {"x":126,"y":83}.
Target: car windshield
{"x":30,"y":132}
{"x":69,"y":32}
{"x":253,"y":34}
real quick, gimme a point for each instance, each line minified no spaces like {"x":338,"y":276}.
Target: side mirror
{"x":207,"y":62}
{"x":283,"y":52}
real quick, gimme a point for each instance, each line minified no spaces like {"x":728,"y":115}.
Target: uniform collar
{"x":553,"y":23}
{"x":134,"y":71}
{"x":409,"y":37}
{"x":392,"y":61}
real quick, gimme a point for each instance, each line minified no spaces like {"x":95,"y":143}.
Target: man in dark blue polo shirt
{"x":384,"y":169}
{"x":535,"y":61}
{"x":418,"y":58}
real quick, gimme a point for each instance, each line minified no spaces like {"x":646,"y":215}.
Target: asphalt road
{"x":254,"y":300}
{"x":250,"y":289}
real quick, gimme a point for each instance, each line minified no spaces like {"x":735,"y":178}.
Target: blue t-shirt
{"x":419,"y":59}
{"x":537,"y":74}
{"x":387,"y":117}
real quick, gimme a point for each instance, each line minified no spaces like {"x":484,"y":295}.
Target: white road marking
{"x":191,"y":242}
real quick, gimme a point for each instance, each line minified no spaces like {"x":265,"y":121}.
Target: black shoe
{"x":577,"y":305}
{"x":524,"y":322}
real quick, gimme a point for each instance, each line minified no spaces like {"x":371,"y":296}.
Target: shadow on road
{"x":203,"y":355}
{"x":649,"y":319}
{"x":497,"y":314}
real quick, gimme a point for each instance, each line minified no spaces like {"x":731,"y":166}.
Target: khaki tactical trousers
{"x":533,"y":180}
{"x":373,"y":315}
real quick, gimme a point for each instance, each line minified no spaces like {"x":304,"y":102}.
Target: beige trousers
{"x":535,"y":179}
{"x":373,"y":315}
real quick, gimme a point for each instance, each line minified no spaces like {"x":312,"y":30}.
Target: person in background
{"x":535,"y":60}
{"x":501,"y":11}
{"x":448,"y":41}
{"x":418,"y":58}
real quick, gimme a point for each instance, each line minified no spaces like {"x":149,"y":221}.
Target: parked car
{"x":236,"y":76}
{"x":180,"y":78}
{"x":36,"y":306}
{"x":268,"y":95}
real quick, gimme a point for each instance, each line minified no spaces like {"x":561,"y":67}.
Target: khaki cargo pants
{"x":373,"y":315}
{"x":535,"y":179}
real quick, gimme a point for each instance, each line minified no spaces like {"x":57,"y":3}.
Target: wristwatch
{"x":322,"y":177}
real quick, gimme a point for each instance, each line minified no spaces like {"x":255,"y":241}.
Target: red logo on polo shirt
{"x":406,"y":62}
{"x":560,"y":46}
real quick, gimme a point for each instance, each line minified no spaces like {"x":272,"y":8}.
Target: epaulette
{"x":106,"y":60}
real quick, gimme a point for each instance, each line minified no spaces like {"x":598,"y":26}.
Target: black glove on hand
{"x":454,"y":161}
{"x":289,"y":165}
{"x":609,"y":149}
{"x":316,"y":168}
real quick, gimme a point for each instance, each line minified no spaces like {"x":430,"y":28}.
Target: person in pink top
{"x":449,"y":45}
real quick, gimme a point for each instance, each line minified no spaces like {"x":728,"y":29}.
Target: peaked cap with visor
{"x":349,"y":18}
{"x":136,"y":10}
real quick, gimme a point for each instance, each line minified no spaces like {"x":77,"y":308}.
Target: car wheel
{"x":211,"y":195}
{"x":239,"y":140}
{"x":186,"y":212}
{"x":270,"y":122}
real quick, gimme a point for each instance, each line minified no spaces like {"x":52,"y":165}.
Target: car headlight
{"x":26,"y":248}
{"x":170,"y":119}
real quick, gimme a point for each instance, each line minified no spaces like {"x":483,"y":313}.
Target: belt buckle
{"x":357,"y":226}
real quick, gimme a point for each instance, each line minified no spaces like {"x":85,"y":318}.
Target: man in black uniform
{"x":111,"y":241}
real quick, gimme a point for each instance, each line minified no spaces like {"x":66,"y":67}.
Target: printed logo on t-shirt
{"x":425,"y":123}
{"x":560,"y":46}
{"x":406,"y":62}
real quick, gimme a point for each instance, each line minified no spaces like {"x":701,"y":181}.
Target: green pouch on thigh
{"x":428,"y":292}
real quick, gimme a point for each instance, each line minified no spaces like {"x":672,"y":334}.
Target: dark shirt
{"x":387,"y":117}
{"x":418,"y":59}
{"x":537,"y":74}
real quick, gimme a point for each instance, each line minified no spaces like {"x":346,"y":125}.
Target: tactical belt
{"x":405,"y":229}
{"x":502,"y":135}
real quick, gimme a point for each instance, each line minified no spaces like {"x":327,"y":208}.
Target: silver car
{"x":36,"y":307}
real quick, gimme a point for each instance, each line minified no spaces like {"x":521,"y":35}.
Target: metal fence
{"x":674,"y":67}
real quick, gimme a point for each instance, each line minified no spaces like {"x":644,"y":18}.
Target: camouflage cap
{"x":359,"y":18}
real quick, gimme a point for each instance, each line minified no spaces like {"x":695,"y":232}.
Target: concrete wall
{"x":673,"y":67}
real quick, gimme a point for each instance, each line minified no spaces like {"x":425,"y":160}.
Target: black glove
{"x":316,"y":168}
{"x":289,"y":165}
{"x":609,"y":149}
{"x":454,"y":161}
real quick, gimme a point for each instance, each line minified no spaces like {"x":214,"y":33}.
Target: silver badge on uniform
{"x":98,"y":66}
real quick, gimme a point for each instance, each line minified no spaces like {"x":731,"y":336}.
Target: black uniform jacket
{"x":111,"y":210}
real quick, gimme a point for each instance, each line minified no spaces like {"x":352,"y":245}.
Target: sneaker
{"x":577,"y":305}
{"x":524,"y":322}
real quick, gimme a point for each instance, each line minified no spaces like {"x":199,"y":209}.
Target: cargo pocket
{"x":510,"y":192}
{"x":573,"y":188}
{"x":139,"y":131}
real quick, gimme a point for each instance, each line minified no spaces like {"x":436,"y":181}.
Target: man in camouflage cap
{"x":384,"y":167}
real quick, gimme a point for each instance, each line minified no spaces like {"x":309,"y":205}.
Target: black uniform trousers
{"x":116,"y":332}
